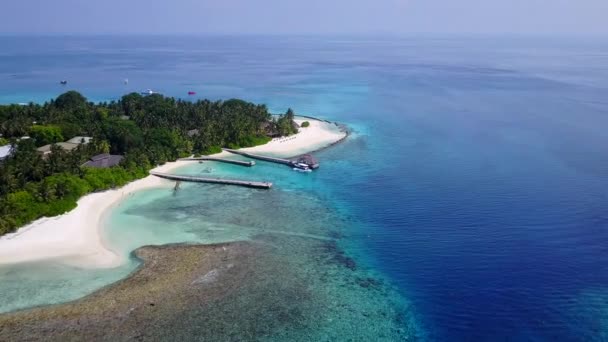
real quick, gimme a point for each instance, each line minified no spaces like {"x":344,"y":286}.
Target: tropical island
{"x":60,"y":151}
{"x":43,"y":176}
{"x":70,"y":162}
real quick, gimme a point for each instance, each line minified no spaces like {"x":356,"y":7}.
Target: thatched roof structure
{"x":269,"y":129}
{"x":309,"y":160}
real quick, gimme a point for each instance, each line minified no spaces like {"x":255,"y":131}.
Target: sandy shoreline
{"x":75,"y":237}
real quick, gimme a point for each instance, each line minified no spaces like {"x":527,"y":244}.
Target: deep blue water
{"x":478,"y":178}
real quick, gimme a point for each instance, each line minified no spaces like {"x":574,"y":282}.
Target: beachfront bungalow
{"x":104,"y":160}
{"x":269,"y":129}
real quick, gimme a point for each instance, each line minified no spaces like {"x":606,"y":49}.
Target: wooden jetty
{"x":248,"y":184}
{"x":259,"y":157}
{"x":305,"y":158}
{"x":221,"y":160}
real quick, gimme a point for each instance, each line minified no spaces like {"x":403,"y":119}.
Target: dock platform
{"x":248,"y":184}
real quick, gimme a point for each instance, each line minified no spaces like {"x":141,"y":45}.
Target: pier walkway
{"x":221,"y":160}
{"x":305,"y":159}
{"x":248,"y":184}
{"x":259,"y":157}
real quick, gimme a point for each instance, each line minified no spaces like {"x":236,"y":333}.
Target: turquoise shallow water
{"x":298,"y":217}
{"x":35,"y":284}
{"x":475,"y":189}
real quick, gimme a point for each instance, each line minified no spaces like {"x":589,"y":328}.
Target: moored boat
{"x":297,"y":169}
{"x":301,"y":167}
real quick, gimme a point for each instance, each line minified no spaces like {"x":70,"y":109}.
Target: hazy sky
{"x":304,"y":16}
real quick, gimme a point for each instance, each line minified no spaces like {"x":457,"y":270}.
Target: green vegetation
{"x":305,"y":124}
{"x":44,"y":135}
{"x":211,"y":150}
{"x":249,"y":142}
{"x":158,"y":131}
{"x":285,"y":125}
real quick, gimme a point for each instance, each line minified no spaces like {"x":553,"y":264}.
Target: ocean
{"x":470,"y":202}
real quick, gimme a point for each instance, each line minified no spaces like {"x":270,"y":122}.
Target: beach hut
{"x":269,"y":129}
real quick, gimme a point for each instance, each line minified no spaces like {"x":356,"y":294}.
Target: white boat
{"x":301,"y":167}
{"x":301,"y":170}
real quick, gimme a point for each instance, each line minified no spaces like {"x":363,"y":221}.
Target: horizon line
{"x":305,"y":34}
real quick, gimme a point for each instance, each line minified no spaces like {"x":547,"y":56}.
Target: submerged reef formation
{"x":224,"y":292}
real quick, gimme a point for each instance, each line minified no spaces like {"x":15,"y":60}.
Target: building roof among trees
{"x":68,"y":145}
{"x":5,"y":151}
{"x":80,"y":140}
{"x":65,"y":145}
{"x":104,"y":160}
{"x":269,"y":129}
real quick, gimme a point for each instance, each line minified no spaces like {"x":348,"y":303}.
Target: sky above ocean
{"x":548,"y":17}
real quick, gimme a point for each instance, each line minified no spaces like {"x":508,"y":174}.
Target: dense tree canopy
{"x":72,"y":100}
{"x":147,"y":130}
{"x":44,"y":135}
{"x":285,"y":123}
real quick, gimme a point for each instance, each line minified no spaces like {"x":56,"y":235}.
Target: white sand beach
{"x":318,"y":135}
{"x":75,"y":237}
